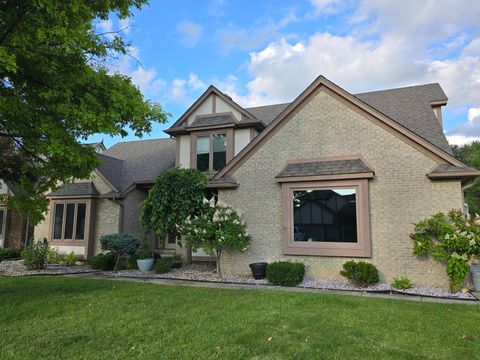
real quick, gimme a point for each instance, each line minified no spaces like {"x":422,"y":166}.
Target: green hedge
{"x":7,"y":254}
{"x":285,"y":273}
{"x":104,"y":262}
{"x":360,"y":273}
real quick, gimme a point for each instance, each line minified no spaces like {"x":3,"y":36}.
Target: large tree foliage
{"x":55,"y":91}
{"x":176,"y":195}
{"x":470,"y":154}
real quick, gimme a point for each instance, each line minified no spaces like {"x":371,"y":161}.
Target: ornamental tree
{"x":453,"y":237}
{"x":56,"y":90}
{"x":217,"y":228}
{"x":120,"y":245}
{"x":176,"y":195}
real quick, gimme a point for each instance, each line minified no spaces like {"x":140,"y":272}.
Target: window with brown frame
{"x":327,"y":218}
{"x":212,"y":150}
{"x":69,"y":220}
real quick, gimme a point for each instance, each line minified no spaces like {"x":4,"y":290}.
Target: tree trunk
{"x":219,"y":268}
{"x":117,"y":263}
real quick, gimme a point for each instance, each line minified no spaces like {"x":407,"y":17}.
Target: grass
{"x":67,"y":317}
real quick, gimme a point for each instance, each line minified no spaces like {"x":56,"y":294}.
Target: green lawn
{"x":60,"y":317}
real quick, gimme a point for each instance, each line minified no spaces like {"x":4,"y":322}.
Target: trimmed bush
{"x":360,"y":273}
{"x":104,"y":262}
{"x":163,"y":265}
{"x":70,"y":259}
{"x":120,"y":245}
{"x":7,"y":254}
{"x":35,"y":256}
{"x":285,"y":273}
{"x":402,"y":283}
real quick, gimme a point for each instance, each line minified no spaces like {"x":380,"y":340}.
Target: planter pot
{"x":259,"y":270}
{"x":475,"y":270}
{"x":145,"y":265}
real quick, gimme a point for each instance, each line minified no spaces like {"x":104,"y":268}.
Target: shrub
{"x":120,"y":245}
{"x":177,"y":261}
{"x":145,"y":252}
{"x":285,"y":273}
{"x":453,"y":238}
{"x":7,"y":254}
{"x":163,"y":265}
{"x":70,"y":259}
{"x":131,"y":263}
{"x":216,"y":228}
{"x":52,"y":256}
{"x":35,"y":256}
{"x":360,"y":273}
{"x":402,"y":283}
{"x":104,"y":262}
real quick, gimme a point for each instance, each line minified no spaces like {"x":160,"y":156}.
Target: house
{"x":329,"y":177}
{"x":14,"y":230}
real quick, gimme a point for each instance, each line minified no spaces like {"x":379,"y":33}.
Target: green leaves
{"x":55,"y":91}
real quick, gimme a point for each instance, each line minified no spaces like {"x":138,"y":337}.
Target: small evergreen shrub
{"x":163,"y":265}
{"x":177,"y":261}
{"x":360,"y":273}
{"x":131,"y":263}
{"x":7,"y":254}
{"x":402,"y":283}
{"x":104,"y":262}
{"x":70,"y":259}
{"x":120,"y":245}
{"x":285,"y":273}
{"x":35,"y":256}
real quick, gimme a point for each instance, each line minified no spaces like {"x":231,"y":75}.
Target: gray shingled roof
{"x":267,"y":113}
{"x":133,"y":161}
{"x":212,"y":120}
{"x":76,"y":189}
{"x":450,"y":169}
{"x":408,"y":106}
{"x":324,"y":167}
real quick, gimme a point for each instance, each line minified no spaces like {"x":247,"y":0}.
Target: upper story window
{"x":212,"y":150}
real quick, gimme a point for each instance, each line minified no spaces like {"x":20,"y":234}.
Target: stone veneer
{"x":400,"y":193}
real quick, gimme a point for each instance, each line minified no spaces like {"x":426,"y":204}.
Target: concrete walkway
{"x":218,"y":285}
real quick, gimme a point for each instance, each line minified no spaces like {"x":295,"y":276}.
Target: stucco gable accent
{"x":323,"y":84}
{"x":212,"y":90}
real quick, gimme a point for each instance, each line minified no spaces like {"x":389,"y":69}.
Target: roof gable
{"x":323,"y":84}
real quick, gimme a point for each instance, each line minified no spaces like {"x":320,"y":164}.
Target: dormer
{"x":437,"y":109}
{"x":212,"y":131}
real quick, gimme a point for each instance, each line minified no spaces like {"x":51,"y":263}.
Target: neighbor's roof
{"x":129,"y":162}
{"x":76,"y":189}
{"x":324,"y":167}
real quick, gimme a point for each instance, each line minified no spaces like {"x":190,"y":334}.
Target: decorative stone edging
{"x":16,"y":268}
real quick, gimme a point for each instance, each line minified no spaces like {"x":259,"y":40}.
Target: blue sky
{"x":264,"y":52}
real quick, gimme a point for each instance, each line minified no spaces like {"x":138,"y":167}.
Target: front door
{"x":3,"y":223}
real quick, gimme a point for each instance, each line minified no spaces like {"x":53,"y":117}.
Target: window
{"x":69,"y":221}
{"x":327,"y":218}
{"x":212,"y":150}
{"x":325,"y":215}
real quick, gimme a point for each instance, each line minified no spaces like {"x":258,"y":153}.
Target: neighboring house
{"x":99,"y":147}
{"x":14,"y":230}
{"x":329,"y":177}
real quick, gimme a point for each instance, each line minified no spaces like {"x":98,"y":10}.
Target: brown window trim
{"x":359,"y":249}
{"x":210,"y":133}
{"x":86,"y":231}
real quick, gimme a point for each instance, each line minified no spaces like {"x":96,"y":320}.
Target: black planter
{"x":259,"y":270}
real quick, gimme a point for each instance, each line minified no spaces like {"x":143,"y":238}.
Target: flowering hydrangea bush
{"x":217,"y":227}
{"x":452,"y":237}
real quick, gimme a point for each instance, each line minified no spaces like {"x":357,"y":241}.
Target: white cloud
{"x":326,"y":7}
{"x":195,"y":83}
{"x":461,"y":139}
{"x":467,"y":132}
{"x":190,"y":33}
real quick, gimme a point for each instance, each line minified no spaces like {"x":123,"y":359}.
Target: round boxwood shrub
{"x":285,"y":273}
{"x":163,"y":265}
{"x":120,"y":245}
{"x":360,"y":273}
{"x":104,"y":262}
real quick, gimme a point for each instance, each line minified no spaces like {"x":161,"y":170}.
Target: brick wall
{"x":400,"y":194}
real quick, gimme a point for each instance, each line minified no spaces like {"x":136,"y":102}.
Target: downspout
{"x":465,"y":185}
{"x":26,"y":232}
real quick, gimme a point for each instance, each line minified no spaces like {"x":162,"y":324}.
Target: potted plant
{"x":145,"y":258}
{"x":259,"y":270}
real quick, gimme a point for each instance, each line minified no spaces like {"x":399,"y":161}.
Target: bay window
{"x":70,"y":220}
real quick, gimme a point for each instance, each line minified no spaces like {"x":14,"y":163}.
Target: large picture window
{"x":327,"y":218}
{"x":325,"y":215}
{"x":69,"y":221}
{"x":212,"y":150}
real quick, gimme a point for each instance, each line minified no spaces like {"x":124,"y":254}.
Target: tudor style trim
{"x":323,"y":84}
{"x":193,"y":144}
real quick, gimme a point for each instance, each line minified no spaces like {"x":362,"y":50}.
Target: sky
{"x":267,"y":52}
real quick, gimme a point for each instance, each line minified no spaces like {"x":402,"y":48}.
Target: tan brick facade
{"x":400,"y":193}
